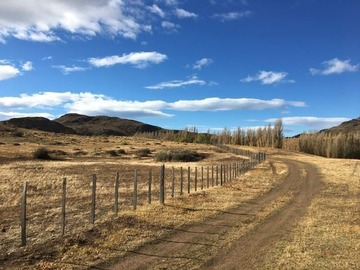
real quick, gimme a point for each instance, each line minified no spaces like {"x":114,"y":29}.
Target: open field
{"x":325,"y":237}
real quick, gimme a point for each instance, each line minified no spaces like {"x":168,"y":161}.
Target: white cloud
{"x":182,"y":13}
{"x":170,"y":26}
{"x":8,"y":72}
{"x":66,"y":70}
{"x":8,"y":115}
{"x":27,"y":66}
{"x":177,"y":83}
{"x":227,"y":104}
{"x":232,"y":16}
{"x":202,"y":63}
{"x":137,"y":59}
{"x":39,"y":20}
{"x":156,"y":10}
{"x":268,"y":77}
{"x":98,"y":104}
{"x":311,"y":121}
{"x":335,"y":66}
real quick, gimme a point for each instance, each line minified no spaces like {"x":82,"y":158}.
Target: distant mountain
{"x":39,"y":123}
{"x":104,"y":125}
{"x":83,"y":125}
{"x":345,"y":127}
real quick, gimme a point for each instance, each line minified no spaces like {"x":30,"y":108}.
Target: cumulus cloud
{"x":311,"y":121}
{"x":137,"y":59}
{"x":97,"y":104}
{"x":232,"y":16}
{"x":38,"y":20}
{"x":182,"y":13}
{"x":194,"y":80}
{"x":8,"y":71}
{"x":202,"y":63}
{"x":67,"y":70}
{"x":269,"y":77}
{"x":335,"y":66}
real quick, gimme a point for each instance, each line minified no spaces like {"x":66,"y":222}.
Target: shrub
{"x":179,"y":155}
{"x":143,"y":152}
{"x":42,"y":153}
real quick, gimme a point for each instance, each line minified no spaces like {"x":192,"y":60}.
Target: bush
{"x":179,"y":155}
{"x":143,"y":152}
{"x":42,"y":153}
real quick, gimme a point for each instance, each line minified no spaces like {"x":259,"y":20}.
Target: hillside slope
{"x":104,"y":125}
{"x":346,"y":127}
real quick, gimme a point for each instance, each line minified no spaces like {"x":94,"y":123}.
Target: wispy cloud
{"x":335,"y":66}
{"x":182,"y":13}
{"x":202,"y":63}
{"x":232,"y":16}
{"x":170,"y":26}
{"x":194,"y":80}
{"x":137,"y":59}
{"x":27,"y":66}
{"x":67,"y":70}
{"x":311,"y":121}
{"x":39,"y":103}
{"x":268,"y":77}
{"x":157,"y":10}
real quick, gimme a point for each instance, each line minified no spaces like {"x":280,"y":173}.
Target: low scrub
{"x":42,"y":153}
{"x":179,"y":155}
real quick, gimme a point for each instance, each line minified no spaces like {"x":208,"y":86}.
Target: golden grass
{"x":328,"y":236}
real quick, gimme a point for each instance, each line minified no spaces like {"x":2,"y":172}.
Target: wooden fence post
{"x":63,"y":207}
{"x":207,"y":177}
{"x":116,"y":201}
{"x":162,"y":185}
{"x":172,"y":182}
{"x":188,"y":182}
{"x":221,"y":175}
{"x":195,"y":180}
{"x":93,"y":200}
{"x":202,"y":177}
{"x":135,"y":190}
{"x":181,"y":181}
{"x":23,"y":215}
{"x":212,"y":175}
{"x":149,"y":188}
{"x":217,"y":175}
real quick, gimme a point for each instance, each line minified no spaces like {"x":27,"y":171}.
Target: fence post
{"x":195,"y":184}
{"x":23,"y":215}
{"x":63,"y":207}
{"x":93,"y":200}
{"x":188,"y":184}
{"x":212,"y":175}
{"x":149,"y":189}
{"x":116,"y":201}
{"x":162,"y":185}
{"x":181,"y":181}
{"x":202,"y":177}
{"x":135,"y":190}
{"x":207,"y":177}
{"x":221,"y":175}
{"x":172,"y":182}
{"x":217,"y":175}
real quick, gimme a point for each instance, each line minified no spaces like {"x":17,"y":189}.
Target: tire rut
{"x":201,"y":246}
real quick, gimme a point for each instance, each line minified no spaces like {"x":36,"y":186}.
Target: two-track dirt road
{"x":207,"y":245}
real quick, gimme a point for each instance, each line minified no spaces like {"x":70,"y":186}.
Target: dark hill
{"x":345,"y":127}
{"x":39,"y":123}
{"x":104,"y":125}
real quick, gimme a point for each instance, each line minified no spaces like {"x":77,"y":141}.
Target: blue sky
{"x":176,"y":63}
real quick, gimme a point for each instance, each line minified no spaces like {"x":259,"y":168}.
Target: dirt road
{"x":236,"y":239}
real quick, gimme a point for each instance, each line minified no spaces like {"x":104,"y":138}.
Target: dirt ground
{"x":218,"y":243}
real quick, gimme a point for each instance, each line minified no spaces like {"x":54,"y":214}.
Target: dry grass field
{"x":326,"y":238}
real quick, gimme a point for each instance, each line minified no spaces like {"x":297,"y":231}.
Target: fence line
{"x":223,"y":172}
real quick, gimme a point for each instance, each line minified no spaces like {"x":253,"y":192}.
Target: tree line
{"x":268,"y":136}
